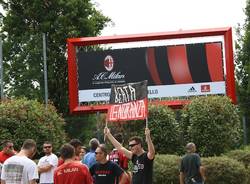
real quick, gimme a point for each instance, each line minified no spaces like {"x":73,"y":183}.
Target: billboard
{"x":176,"y":65}
{"x":171,"y":71}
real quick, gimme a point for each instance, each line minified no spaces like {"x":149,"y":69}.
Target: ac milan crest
{"x":108,"y":63}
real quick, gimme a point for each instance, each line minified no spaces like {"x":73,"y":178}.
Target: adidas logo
{"x":192,"y":90}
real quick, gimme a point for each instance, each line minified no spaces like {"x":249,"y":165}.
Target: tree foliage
{"x":22,"y":119}
{"x":213,"y":124}
{"x":243,"y":62}
{"x":22,"y":29}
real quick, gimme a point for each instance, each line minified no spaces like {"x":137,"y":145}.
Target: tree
{"x":243,"y":62}
{"x":22,"y":29}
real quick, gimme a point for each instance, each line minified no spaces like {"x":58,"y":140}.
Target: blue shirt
{"x":89,"y":159}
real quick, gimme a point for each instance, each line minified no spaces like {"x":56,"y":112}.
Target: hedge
{"x":218,"y":170}
{"x":166,"y":169}
{"x":224,"y":170}
{"x":241,"y":156}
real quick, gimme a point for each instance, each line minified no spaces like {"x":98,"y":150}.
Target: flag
{"x":128,"y":102}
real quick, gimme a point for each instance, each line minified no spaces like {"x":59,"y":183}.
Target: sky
{"x":149,"y":16}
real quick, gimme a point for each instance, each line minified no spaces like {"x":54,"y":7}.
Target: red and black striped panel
{"x":214,"y":61}
{"x":197,"y":61}
{"x":152,"y":67}
{"x":178,"y":63}
{"x":181,"y":64}
{"x":163,"y":66}
{"x":158,"y":66}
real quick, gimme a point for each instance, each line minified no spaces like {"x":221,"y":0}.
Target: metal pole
{"x":45,"y":70}
{"x":98,"y":125}
{"x":1,"y":67}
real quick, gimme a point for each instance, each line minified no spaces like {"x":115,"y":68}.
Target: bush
{"x":241,"y":156}
{"x":165,"y":129}
{"x":166,"y":169}
{"x":21,"y":119}
{"x":212,"y":123}
{"x":224,"y":170}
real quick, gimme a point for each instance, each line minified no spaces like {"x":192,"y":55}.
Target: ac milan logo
{"x":108,"y":63}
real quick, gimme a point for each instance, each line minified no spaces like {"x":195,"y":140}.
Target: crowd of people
{"x":76,"y":165}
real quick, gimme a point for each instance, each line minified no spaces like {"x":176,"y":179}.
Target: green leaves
{"x":166,"y":169}
{"x":242,"y":60}
{"x":164,"y":129}
{"x":224,"y":170}
{"x":22,"y":29}
{"x":21,"y":119}
{"x":213,"y":124}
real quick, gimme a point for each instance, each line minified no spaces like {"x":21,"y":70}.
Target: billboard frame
{"x":72,"y":43}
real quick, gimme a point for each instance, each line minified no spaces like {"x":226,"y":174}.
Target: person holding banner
{"x":119,"y":158}
{"x":142,"y":160}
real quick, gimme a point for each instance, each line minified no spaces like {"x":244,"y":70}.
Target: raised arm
{"x":116,"y":144}
{"x":151,"y":148}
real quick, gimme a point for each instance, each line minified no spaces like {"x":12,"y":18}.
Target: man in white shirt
{"x":20,"y":169}
{"x":47,"y":164}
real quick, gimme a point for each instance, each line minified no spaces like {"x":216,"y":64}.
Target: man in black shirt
{"x":191,"y":171}
{"x":105,"y":171}
{"x":142,"y":161}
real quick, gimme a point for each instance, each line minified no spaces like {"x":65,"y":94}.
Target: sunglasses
{"x":45,"y":147}
{"x":98,"y":153}
{"x":132,"y":145}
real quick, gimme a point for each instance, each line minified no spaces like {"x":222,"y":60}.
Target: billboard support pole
{"x":45,"y":70}
{"x":98,"y":117}
{"x":1,"y":67}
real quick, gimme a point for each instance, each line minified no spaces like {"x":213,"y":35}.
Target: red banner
{"x":128,"y":111}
